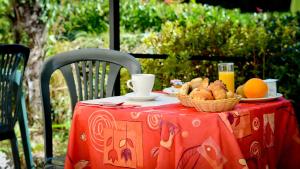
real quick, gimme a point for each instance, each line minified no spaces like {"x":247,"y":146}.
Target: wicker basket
{"x":185,"y":100}
{"x":215,"y":105}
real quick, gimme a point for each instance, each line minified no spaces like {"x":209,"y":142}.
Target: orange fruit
{"x":255,"y":88}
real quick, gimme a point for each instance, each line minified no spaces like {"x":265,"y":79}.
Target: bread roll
{"x":185,"y":88}
{"x":201,"y":94}
{"x":229,"y":94}
{"x":204,"y":83}
{"x":196,"y":82}
{"x":218,"y":90}
{"x":219,"y":93}
{"x":216,"y":84}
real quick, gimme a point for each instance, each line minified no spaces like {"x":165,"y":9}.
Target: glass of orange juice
{"x":226,"y":75}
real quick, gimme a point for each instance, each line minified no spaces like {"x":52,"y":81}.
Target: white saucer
{"x":171,"y":91}
{"x":264,"y":99}
{"x":132,"y":96}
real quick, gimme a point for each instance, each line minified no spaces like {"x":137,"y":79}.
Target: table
{"x":253,"y":135}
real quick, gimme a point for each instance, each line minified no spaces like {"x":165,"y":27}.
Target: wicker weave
{"x":215,"y":105}
{"x":185,"y":100}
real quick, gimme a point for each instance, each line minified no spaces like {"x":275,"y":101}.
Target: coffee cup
{"x":141,"y":84}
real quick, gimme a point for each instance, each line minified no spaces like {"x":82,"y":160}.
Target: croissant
{"x":201,"y":94}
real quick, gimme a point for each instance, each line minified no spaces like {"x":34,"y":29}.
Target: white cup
{"x":272,"y":87}
{"x":141,"y":84}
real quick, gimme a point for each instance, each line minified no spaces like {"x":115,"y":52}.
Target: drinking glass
{"x":226,"y":75}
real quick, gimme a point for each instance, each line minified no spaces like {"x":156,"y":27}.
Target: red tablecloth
{"x":261,"y":135}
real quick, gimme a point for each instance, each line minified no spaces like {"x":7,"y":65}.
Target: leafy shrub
{"x":285,"y":67}
{"x":68,"y":18}
{"x":5,"y":35}
{"x":137,"y":16}
{"x":261,"y":40}
{"x":84,"y":41}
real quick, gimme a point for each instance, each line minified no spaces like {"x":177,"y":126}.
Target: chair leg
{"x":23,"y":123}
{"x":15,"y":151}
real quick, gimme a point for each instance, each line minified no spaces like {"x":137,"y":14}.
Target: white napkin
{"x":162,"y":99}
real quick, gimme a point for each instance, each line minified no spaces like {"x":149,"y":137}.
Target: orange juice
{"x":228,"y":79}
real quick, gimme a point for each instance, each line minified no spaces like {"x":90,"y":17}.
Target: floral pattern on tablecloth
{"x":124,"y":145}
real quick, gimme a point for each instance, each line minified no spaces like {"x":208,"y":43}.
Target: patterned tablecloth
{"x":254,"y":135}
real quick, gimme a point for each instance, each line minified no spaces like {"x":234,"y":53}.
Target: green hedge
{"x":269,"y":41}
{"x":68,"y":20}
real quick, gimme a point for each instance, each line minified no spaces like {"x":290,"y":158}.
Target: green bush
{"x":285,"y":67}
{"x":261,"y":40}
{"x":138,"y":16}
{"x":67,"y":19}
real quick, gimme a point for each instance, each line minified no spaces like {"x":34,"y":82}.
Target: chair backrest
{"x":13,"y":60}
{"x":89,"y":74}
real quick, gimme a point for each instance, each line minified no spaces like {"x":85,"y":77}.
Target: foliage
{"x":68,"y":18}
{"x":83,"y":41}
{"x":260,"y":40}
{"x":285,"y":67}
{"x":65,"y":20}
{"x":136,"y":16}
{"x":5,"y":36}
{"x":8,"y":28}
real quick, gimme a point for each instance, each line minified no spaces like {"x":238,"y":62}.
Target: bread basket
{"x":215,"y":105}
{"x":185,"y":100}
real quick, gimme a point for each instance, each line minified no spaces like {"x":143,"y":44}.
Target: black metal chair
{"x":89,"y":74}
{"x":13,"y":60}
